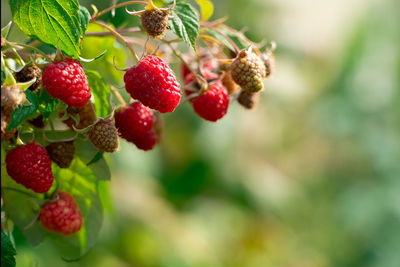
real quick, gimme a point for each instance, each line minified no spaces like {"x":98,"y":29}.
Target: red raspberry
{"x":61,"y":215}
{"x":153,"y":83}
{"x":184,"y":70}
{"x":214,"y":103}
{"x":30,"y":165}
{"x":66,"y":80}
{"x":208,"y":75}
{"x":135,"y":124}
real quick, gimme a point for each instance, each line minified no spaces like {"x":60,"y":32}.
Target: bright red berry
{"x":30,"y":165}
{"x":66,"y":80}
{"x":135,"y":124}
{"x":184,"y":70}
{"x":61,"y":215}
{"x":153,"y":83}
{"x":214,"y":103}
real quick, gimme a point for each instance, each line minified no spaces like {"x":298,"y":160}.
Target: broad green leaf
{"x":101,"y":92}
{"x":23,"y":112}
{"x":52,"y":22}
{"x":86,"y":151}
{"x":7,"y":251}
{"x":185,"y":22}
{"x":5,"y":30}
{"x":206,"y":8}
{"x":80,"y":181}
{"x":84,"y":18}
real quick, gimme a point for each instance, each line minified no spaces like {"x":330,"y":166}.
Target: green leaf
{"x":7,"y":251}
{"x":101,"y":92}
{"x":52,"y":22}
{"x":49,"y":104}
{"x":185,"y":22}
{"x":96,"y":158}
{"x":206,"y":8}
{"x":84,"y":18}
{"x":23,"y":112}
{"x":81,"y":182}
{"x":6,"y":29}
{"x":87,"y":152}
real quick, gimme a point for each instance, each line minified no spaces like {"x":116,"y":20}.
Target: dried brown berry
{"x":28,"y":73}
{"x":38,"y":122}
{"x":86,"y":116}
{"x":155,"y":21}
{"x":5,"y":121}
{"x":3,"y":42}
{"x":61,"y":153}
{"x":12,"y":97}
{"x":104,"y":136}
{"x":269,"y":62}
{"x":248,"y":100}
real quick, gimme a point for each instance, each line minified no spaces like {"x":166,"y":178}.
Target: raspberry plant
{"x":60,"y":117}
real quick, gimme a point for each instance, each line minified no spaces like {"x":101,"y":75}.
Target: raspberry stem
{"x":179,"y":55}
{"x":95,"y":16}
{"x":32,"y":48}
{"x":122,"y":31}
{"x":118,"y":95}
{"x":119,"y":37}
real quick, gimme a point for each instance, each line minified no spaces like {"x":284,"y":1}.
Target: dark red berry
{"x":135,"y":124}
{"x":66,"y":80}
{"x":61,"y":215}
{"x":153,"y":83}
{"x":30,"y":165}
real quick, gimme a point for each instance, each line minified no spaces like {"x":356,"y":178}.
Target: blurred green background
{"x":310,"y":178}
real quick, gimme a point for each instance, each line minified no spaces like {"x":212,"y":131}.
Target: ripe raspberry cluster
{"x":211,"y":82}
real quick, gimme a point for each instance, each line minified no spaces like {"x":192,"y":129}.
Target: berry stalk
{"x":95,"y":16}
{"x":119,"y":37}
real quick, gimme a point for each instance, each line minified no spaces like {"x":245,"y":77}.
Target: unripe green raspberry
{"x":104,"y":136}
{"x":248,"y":71}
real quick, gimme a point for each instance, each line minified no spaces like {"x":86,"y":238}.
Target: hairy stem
{"x":118,"y":95}
{"x":117,"y":6}
{"x":32,"y":48}
{"x":119,"y":37}
{"x":124,"y":31}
